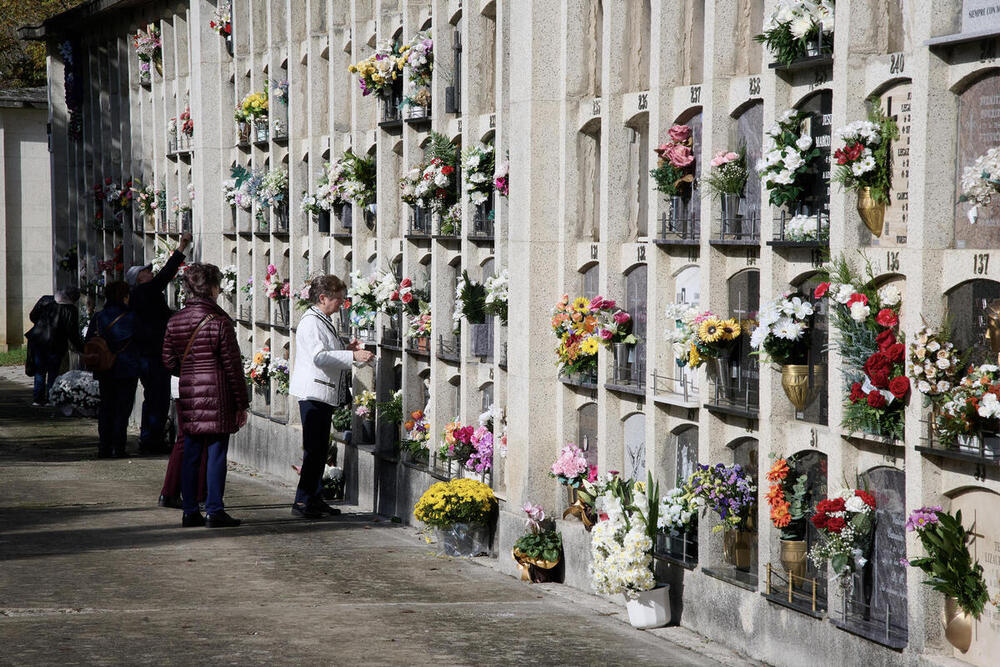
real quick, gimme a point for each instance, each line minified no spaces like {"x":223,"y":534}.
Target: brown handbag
{"x":97,"y":355}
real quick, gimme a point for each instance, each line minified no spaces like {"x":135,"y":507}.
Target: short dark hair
{"x":71,"y":293}
{"x":199,"y":279}
{"x":330,"y":285}
{"x":116,"y":293}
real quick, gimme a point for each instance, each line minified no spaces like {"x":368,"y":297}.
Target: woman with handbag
{"x":321,"y":380}
{"x":118,"y":373}
{"x":200,"y":348}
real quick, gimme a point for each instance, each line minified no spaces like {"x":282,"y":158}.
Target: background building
{"x":577,"y":94}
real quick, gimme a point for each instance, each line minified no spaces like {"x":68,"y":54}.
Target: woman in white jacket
{"x":321,"y":380}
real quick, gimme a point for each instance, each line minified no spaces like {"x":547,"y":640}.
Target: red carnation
{"x":895,"y":352}
{"x":899,"y":386}
{"x":887,"y":318}
{"x":830,"y":505}
{"x":447,"y":170}
{"x":821,"y":290}
{"x":835,"y":524}
{"x":857,"y":297}
{"x":867,"y":497}
{"x":877,"y":368}
{"x":394,"y":296}
{"x":876,"y":399}
{"x":885,"y":340}
{"x":857,"y":394}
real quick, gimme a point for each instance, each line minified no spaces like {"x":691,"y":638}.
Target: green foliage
{"x":391,"y":411}
{"x":342,"y":419}
{"x":22,"y":64}
{"x":14,"y":357}
{"x":473,"y":298}
{"x":545,"y":545}
{"x":785,"y":48}
{"x":729,"y":178}
{"x":948,"y":564}
{"x":880,"y":179}
{"x":669,"y":179}
{"x":440,"y":146}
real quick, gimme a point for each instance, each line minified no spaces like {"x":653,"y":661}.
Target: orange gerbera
{"x":417,"y":415}
{"x":408,"y":425}
{"x":778,"y":471}
{"x":775,"y":495}
{"x":780,"y":516}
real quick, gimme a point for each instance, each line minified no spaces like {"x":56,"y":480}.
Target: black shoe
{"x":321,"y":506}
{"x":306,"y":511}
{"x":192,"y":520}
{"x":170,"y":501}
{"x":221,"y":520}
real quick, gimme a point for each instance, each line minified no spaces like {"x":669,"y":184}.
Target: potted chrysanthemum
{"x":460,"y":511}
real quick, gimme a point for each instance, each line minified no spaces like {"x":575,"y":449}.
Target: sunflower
{"x":581,"y":305}
{"x":589,"y":347}
{"x":730,"y":329}
{"x":710,"y":330}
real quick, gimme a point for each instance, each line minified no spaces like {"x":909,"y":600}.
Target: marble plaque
{"x":980,"y":515}
{"x":819,"y":125}
{"x":635,"y":447}
{"x":687,"y":454}
{"x":749,"y":133}
{"x":896,"y":104}
{"x":978,"y":130}
{"x":888,"y":485}
{"x":587,"y":439}
{"x":980,"y":15}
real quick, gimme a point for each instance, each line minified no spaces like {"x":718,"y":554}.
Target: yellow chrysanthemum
{"x":710,"y":330}
{"x":589,"y":346}
{"x":730,"y":329}
{"x":694,"y":357}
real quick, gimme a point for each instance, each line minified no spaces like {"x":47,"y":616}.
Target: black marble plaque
{"x":819,"y":125}
{"x":888,"y":585}
{"x":967,"y":311}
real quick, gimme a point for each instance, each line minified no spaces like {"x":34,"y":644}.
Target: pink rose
{"x":621,"y":317}
{"x":271,"y":269}
{"x":406,"y":283}
{"x":680,"y":156}
{"x":730,"y":156}
{"x":407,"y":298}
{"x":394,"y":296}
{"x":596,"y":302}
{"x":679,"y":133}
{"x":606,"y":334}
{"x":719,"y":159}
{"x":662,"y":149}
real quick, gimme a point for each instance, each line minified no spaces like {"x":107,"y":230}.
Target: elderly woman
{"x":321,"y":380}
{"x":115,"y":323}
{"x":200,"y":347}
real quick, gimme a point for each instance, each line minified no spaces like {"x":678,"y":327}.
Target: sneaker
{"x":192,"y":520}
{"x":306,"y":511}
{"x":173,"y":502}
{"x":221,"y":520}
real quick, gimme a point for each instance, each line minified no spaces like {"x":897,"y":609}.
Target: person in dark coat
{"x":56,"y":327}
{"x":116,"y":324}
{"x":200,"y":347}
{"x":149,"y":302}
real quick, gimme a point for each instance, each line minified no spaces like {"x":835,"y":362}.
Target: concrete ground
{"x":92,"y":572}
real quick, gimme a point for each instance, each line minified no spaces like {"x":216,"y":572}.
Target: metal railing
{"x":449,"y":347}
{"x":679,"y":229}
{"x":421,"y":221}
{"x":744,"y":228}
{"x":681,"y":385}
{"x":482,"y":221}
{"x":801,"y":228}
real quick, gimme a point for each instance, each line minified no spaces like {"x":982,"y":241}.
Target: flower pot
{"x":737,"y":548}
{"x":282,"y":311}
{"x":678,"y":214}
{"x":793,"y":559}
{"x":624,"y":353}
{"x":229,"y":44}
{"x":957,"y":625}
{"x":732,"y":205}
{"x":244,"y":131}
{"x":579,"y":509}
{"x":534,"y":570}
{"x":795,"y":382}
{"x":871,"y":212}
{"x":650,"y":609}
{"x":368,"y":431}
{"x":463,"y":540}
{"x":812,"y":46}
{"x":421,"y":344}
{"x":159,"y":67}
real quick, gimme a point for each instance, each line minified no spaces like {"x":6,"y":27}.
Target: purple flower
{"x":923,"y":517}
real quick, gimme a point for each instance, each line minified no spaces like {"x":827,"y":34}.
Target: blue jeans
{"x":215,"y":476}
{"x":46,"y":369}
{"x":117,"y":398}
{"x":155,"y":401}
{"x":316,"y":417}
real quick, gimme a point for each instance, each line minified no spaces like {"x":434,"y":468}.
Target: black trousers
{"x":316,"y":424}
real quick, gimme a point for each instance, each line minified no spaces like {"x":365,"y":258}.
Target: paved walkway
{"x":92,"y":572}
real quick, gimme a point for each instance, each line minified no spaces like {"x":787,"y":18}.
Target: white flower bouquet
{"x":76,"y":393}
{"x":794,"y":24}
{"x":782,"y":329}
{"x":789,"y":154}
{"x":497,"y":288}
{"x":477,"y":170}
{"x":935,"y":364}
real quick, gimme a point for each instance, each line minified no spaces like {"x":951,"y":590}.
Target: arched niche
{"x":818,"y":125}
{"x":588,"y":185}
{"x":634,"y":430}
{"x":813,"y":465}
{"x":486,"y":396}
{"x":743,"y":290}
{"x":481,"y":334}
{"x":586,"y":417}
{"x":682,"y":458}
{"x":635,"y":305}
{"x":981,"y":519}
{"x":966,"y":305}
{"x":692,"y":118}
{"x":687,"y":289}
{"x":978,"y":130}
{"x":639,"y":152}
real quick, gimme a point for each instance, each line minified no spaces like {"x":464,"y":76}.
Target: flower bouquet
{"x":418,"y":58}
{"x":790,"y":504}
{"x":477,"y":170}
{"x":572,"y":470}
{"x":783,"y":335}
{"x":222,"y":19}
{"x":700,"y":336}
{"x":727,"y":180}
{"x":253,"y":107}
{"x":807,"y":228}
{"x":679,"y":511}
{"x":470,"y":301}
{"x":257,"y":368}
{"x":149,"y":50}
{"x":950,"y":570}
{"x":187,"y":123}
{"x":364,"y":405}
{"x":76,"y":393}
{"x":865,"y":164}
{"x":418,"y":436}
{"x":971,"y":408}
{"x":730,"y":492}
{"x":278,"y":372}
{"x":457,"y":442}
{"x":935,"y":365}
{"x":674,"y":172}
{"x":873,"y":355}
{"x":377,"y":72}
{"x":451,"y":221}
{"x":301,"y":296}
{"x":227,"y":285}
{"x":788,"y":159}
{"x":539,"y":550}
{"x":799,"y":28}
{"x":846,"y":522}
{"x":481,"y":458}
{"x":460,"y":511}
{"x":501,"y":178}
{"x":981,"y":181}
{"x":419,"y":326}
{"x":358,"y":179}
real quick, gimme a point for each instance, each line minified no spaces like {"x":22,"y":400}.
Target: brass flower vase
{"x":737,"y":548}
{"x":871,"y":212}
{"x":793,"y":559}
{"x":795,"y":383}
{"x":957,"y":625}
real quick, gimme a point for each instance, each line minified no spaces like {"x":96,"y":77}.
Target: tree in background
{"x":22,"y":64}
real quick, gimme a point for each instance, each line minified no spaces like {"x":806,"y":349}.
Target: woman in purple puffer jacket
{"x":200,"y":347}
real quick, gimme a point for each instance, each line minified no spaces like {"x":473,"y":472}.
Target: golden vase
{"x":737,"y":548}
{"x":795,"y":382}
{"x":793,"y":559}
{"x":957,"y":625}
{"x":871,"y":212}
{"x":580,"y":510}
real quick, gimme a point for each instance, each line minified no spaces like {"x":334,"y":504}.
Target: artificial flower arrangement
{"x":481,"y":458}
{"x":846,"y":523}
{"x":477,"y":170}
{"x":273,"y":190}
{"x":148,"y":47}
{"x":457,"y":501}
{"x":575,"y":325}
{"x":329,"y":189}
{"x":358,"y":178}
{"x":456,"y":442}
{"x":253,"y":107}
{"x":76,"y":393}
{"x":118,"y":197}
{"x":274,"y":287}
{"x":247,"y":289}
{"x":369,"y":296}
{"x":237,"y":195}
{"x":864,"y":164}
{"x":419,"y":325}
{"x":540,"y":548}
{"x":871,"y":348}
{"x":470,"y":301}
{"x":451,"y":221}
{"x":788,"y":499}
{"x":497,"y":288}
{"x":187,"y":124}
{"x":674,"y":173}
{"x":793,"y":24}
{"x":805,"y":228}
{"x":980,"y":182}
{"x":149,"y":200}
{"x":678,"y":513}
{"x":258,"y":366}
{"x":222,"y":19}
{"x":418,"y":57}
{"x":728,"y":174}
{"x":682,"y":336}
{"x":301,"y":296}
{"x":418,"y":435}
{"x":948,"y":564}
{"x":936,"y":367}
{"x":572,"y":470}
{"x":614,"y":324}
{"x":279,"y":91}
{"x":698,"y":336}
{"x":501,"y":178}
{"x":621,"y":544}
{"x":377,"y":72}
{"x":227,"y":285}
{"x":788,"y":159}
{"x":964,"y":411}
{"x":730,"y":492}
{"x":783,"y":330}
{"x":364,"y":405}
{"x":278,"y":372}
